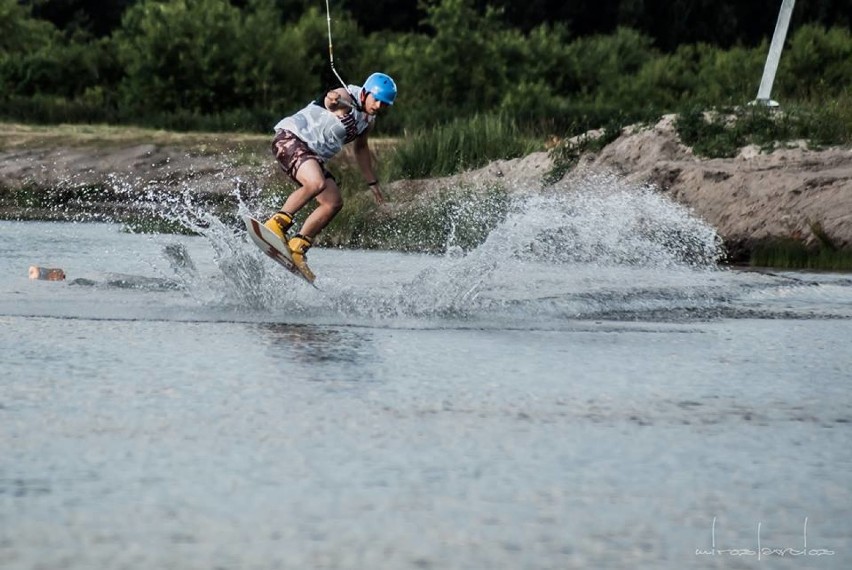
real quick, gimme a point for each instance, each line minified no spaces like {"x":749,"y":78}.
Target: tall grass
{"x":460,"y":145}
{"x":793,"y":254}
{"x":451,"y":217}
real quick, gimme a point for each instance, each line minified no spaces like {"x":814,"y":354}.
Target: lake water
{"x":581,"y":391}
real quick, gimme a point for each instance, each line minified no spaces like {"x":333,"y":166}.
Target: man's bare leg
{"x":329,"y":202}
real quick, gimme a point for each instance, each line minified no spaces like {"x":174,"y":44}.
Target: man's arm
{"x":365,"y":162}
{"x":338,"y":101}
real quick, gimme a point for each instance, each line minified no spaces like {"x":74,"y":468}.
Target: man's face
{"x":373,"y":106}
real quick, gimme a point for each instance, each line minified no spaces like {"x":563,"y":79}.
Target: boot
{"x":280,"y":223}
{"x":299,"y":246}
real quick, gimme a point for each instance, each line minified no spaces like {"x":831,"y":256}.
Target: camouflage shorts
{"x":291,"y":152}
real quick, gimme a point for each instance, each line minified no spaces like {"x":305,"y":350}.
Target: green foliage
{"x":223,"y":65}
{"x":275,"y":67}
{"x":596,"y":65}
{"x":731,"y":76}
{"x":49,"y":109}
{"x":697,"y":74}
{"x":64,"y":70}
{"x":460,"y":35}
{"x":36,"y":60}
{"x":793,"y":254}
{"x":544,"y":53}
{"x":461,"y":66}
{"x":718,"y":134}
{"x":178,"y":53}
{"x":205,"y":57}
{"x":20,"y":33}
{"x":818,"y":64}
{"x":829,"y":122}
{"x":462,"y":144}
{"x":453,"y":218}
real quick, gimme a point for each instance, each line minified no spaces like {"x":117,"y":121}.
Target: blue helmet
{"x":382,"y":87}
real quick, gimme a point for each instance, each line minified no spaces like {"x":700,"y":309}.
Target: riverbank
{"x":790,"y":195}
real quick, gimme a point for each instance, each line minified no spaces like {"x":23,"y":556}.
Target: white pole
{"x":774,"y":55}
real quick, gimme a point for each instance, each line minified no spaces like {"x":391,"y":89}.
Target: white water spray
{"x":592,"y":244}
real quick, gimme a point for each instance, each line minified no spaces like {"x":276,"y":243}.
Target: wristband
{"x":373,"y":183}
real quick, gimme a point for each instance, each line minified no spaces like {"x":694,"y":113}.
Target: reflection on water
{"x":315,"y":345}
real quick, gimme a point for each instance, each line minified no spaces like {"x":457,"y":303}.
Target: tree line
{"x":719,"y":22}
{"x":241,"y":65}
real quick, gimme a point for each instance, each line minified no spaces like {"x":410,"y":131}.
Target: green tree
{"x":539,"y":80}
{"x":460,"y":65}
{"x":36,"y":60}
{"x":667,"y":80}
{"x":817,"y":63}
{"x":274,"y":65}
{"x":20,"y":32}
{"x":464,"y":57}
{"x":208,"y":57}
{"x":89,"y":17}
{"x":310,"y":32}
{"x":177,"y":55}
{"x":696,"y":74}
{"x":597,"y":65}
{"x":729,"y":76}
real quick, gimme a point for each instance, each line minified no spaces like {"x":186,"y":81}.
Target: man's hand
{"x":377,"y":194}
{"x":334,"y":102}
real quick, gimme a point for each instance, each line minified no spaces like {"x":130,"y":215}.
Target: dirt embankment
{"x":790,"y":193}
{"x":754,"y":197}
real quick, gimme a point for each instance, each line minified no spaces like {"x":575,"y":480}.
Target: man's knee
{"x":315,"y":187}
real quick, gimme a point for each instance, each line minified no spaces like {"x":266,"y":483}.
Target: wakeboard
{"x":271,"y":245}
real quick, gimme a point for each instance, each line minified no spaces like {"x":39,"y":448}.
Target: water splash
{"x":593,"y":226}
{"x":592,"y":245}
{"x":603,"y":220}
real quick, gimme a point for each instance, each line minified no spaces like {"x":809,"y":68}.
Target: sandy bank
{"x":789,"y":193}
